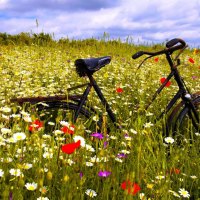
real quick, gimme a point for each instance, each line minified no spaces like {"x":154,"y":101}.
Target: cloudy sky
{"x":142,"y":20}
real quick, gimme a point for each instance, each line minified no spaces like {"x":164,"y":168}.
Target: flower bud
{"x":49,"y":175}
{"x":40,"y":182}
{"x":66,"y":178}
{"x":21,"y":182}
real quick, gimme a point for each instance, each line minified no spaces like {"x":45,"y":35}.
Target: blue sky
{"x":142,"y":20}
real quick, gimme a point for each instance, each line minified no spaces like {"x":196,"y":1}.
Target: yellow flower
{"x":195,"y":51}
{"x":150,"y":185}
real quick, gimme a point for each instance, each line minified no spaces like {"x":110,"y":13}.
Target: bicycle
{"x":184,"y":116}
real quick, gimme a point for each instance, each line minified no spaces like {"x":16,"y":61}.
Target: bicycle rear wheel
{"x":53,"y":114}
{"x":187,"y":126}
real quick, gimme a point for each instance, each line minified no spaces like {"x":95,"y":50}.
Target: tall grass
{"x":137,"y":154}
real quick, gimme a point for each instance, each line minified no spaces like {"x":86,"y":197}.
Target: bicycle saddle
{"x":88,"y":66}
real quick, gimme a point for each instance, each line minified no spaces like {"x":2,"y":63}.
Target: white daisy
{"x":19,"y":136}
{"x":77,"y":138}
{"x":89,"y":148}
{"x":27,"y":166}
{"x":51,"y":123}
{"x":5,"y":131}
{"x":5,"y":109}
{"x":91,"y":193}
{"x":133,"y":131}
{"x":1,"y":173}
{"x":42,"y":198}
{"x":184,"y":193}
{"x":159,"y":177}
{"x":89,"y":164}
{"x":119,"y":160}
{"x":58,"y":132}
{"x":64,"y":123}
{"x":148,"y":125}
{"x":31,"y":186}
{"x":11,"y":140}
{"x":169,"y":140}
{"x":193,"y":177}
{"x":15,"y":172}
{"x":47,"y":155}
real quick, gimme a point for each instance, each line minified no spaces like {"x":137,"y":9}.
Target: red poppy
{"x":162,"y":80}
{"x":133,"y":188}
{"x":69,"y":130}
{"x":71,"y":147}
{"x":191,"y":60}
{"x":156,"y":59}
{"x":175,"y":171}
{"x":36,"y":125}
{"x":119,"y":90}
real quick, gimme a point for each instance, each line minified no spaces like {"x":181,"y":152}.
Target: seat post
{"x":102,"y":98}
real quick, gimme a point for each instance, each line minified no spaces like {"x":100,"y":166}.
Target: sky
{"x":152,"y":21}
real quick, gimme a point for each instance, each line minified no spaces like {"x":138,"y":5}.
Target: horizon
{"x":154,"y":22}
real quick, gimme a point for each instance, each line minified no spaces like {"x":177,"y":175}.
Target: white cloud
{"x":150,"y":20}
{"x":3,"y":4}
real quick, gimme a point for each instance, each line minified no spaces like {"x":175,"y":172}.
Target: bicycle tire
{"x":57,"y":111}
{"x":184,"y":130}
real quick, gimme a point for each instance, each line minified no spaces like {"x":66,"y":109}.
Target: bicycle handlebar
{"x":175,"y":41}
{"x":171,"y":47}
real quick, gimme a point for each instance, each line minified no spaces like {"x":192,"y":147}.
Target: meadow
{"x":131,"y":163}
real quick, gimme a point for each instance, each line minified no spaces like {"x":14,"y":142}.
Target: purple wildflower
{"x":194,"y":77}
{"x":81,"y":174}
{"x":104,"y":173}
{"x":126,"y":135}
{"x":97,"y":135}
{"x":121,"y":155}
{"x":10,"y":196}
{"x":105,"y":144}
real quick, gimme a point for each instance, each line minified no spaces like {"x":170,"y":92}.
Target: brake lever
{"x":143,"y":62}
{"x":180,"y":52}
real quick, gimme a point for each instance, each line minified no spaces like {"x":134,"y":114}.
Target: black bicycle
{"x":183,"y":117}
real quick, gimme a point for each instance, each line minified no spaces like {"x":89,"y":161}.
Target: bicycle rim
{"x":55,"y":115}
{"x":187,"y":128}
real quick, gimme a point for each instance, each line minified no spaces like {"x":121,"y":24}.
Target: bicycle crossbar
{"x":34,"y":100}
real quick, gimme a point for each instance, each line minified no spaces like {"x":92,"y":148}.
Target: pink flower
{"x":97,"y":135}
{"x":104,"y":173}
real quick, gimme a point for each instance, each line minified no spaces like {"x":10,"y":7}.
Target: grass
{"x":135,"y":156}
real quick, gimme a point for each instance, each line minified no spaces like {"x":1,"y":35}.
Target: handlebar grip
{"x":137,"y":55}
{"x":175,"y":41}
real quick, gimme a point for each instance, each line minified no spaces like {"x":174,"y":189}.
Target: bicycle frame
{"x":181,"y":94}
{"x":83,"y":99}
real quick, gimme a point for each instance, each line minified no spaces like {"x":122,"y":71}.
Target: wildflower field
{"x":68,"y":161}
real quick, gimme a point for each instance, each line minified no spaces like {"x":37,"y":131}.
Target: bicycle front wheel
{"x":57,"y":113}
{"x":187,"y":125}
